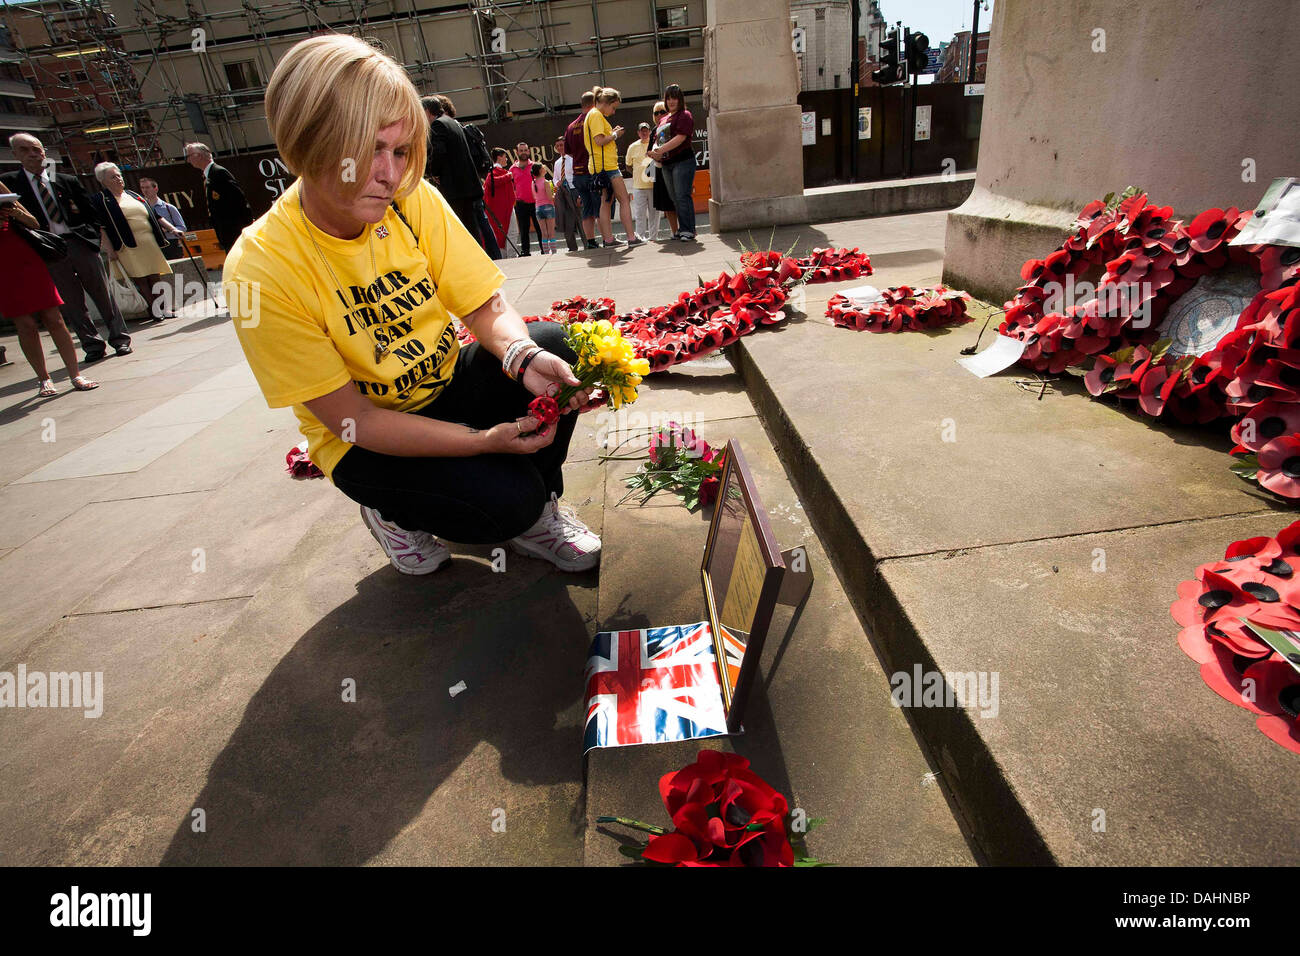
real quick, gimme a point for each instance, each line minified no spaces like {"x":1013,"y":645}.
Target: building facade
{"x":84,"y":101}
{"x":955,"y":65}
{"x":826,"y":59}
{"x":203,"y":65}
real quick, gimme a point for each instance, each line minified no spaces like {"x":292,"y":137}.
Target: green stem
{"x":634,"y":824}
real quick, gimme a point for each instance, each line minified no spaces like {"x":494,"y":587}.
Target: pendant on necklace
{"x":380,"y":352}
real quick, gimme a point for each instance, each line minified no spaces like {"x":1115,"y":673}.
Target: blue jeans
{"x":679,"y":177}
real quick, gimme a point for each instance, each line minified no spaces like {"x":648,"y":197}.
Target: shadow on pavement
{"x":307,"y":779}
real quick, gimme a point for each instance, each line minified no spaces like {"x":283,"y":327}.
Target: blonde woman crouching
{"x":342,"y":295}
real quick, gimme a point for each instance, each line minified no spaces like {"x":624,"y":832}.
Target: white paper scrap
{"x":863,"y":295}
{"x":1277,"y":217}
{"x":1003,"y":353}
{"x":457,"y":688}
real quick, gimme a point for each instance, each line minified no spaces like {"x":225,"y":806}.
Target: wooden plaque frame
{"x":780,"y":585}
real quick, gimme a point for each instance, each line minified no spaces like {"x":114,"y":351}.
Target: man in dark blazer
{"x":61,"y":205}
{"x":227,"y":207}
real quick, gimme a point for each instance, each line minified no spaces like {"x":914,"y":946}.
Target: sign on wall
{"x":864,"y":122}
{"x":808,"y":128}
{"x":923,"y":122}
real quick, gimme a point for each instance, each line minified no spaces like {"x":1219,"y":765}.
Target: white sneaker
{"x":412,"y":552}
{"x":559,"y":537}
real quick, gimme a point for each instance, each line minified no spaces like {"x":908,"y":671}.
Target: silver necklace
{"x":380,"y":350}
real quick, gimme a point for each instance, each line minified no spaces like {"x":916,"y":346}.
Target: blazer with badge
{"x":227,"y":207}
{"x":79,"y":212}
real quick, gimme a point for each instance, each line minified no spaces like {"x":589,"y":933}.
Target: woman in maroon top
{"x":674,"y":150}
{"x":27,"y":293}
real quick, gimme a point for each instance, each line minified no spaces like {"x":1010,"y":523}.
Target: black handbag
{"x":48,"y":246}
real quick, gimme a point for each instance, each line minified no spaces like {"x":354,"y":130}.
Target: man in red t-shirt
{"x":575,"y":146}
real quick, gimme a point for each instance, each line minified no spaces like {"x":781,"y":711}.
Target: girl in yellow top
{"x":602,"y":163}
{"x":342,"y":296}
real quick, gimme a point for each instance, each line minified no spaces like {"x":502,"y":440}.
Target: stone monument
{"x":751,"y":87}
{"x":1187,"y":101}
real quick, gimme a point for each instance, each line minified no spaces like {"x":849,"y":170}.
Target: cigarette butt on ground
{"x":457,"y":688}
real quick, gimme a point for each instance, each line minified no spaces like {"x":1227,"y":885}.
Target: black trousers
{"x":469,"y":210}
{"x":483,"y":499}
{"x":568,"y":215}
{"x":526,"y":212}
{"x":81,"y":274}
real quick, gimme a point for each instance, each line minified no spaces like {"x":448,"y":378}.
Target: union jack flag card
{"x":656,"y":684}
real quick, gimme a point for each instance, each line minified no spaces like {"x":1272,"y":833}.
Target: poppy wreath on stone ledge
{"x":714,"y":314}
{"x":1257,"y":581}
{"x":1143,"y":260}
{"x":901,"y":309}
{"x":1149,"y":262}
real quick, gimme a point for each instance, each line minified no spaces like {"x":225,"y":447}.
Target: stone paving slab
{"x":1099,"y":708}
{"x":109,"y":790}
{"x":1063,"y":465}
{"x":407,"y":774}
{"x":70,"y":560}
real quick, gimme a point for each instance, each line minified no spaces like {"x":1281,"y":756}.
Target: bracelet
{"x":519,"y":375}
{"x":512,"y":353}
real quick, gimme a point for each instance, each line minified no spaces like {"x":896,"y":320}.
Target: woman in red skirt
{"x":27,"y":293}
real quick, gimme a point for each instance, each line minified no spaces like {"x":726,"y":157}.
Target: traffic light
{"x":891,"y":65}
{"x":918,"y":53}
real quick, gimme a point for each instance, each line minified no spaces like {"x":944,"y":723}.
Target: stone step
{"x":986,"y":531}
{"x":820,"y":726}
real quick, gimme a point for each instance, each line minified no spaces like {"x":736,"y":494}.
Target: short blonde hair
{"x":327,"y":101}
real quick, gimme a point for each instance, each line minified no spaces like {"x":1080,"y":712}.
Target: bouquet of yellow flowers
{"x":606,"y":359}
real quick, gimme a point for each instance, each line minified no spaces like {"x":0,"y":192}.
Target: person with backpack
{"x":451,"y":166}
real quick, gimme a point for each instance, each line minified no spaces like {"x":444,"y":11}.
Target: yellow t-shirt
{"x":635,"y":162}
{"x":304,"y":337}
{"x":601,"y":158}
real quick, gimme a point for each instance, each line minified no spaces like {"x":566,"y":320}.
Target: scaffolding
{"x":153,"y":103}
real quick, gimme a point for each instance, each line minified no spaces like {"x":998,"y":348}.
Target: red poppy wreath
{"x":1256,"y":582}
{"x":1184,"y":325}
{"x":901,"y":309}
{"x":717,"y":312}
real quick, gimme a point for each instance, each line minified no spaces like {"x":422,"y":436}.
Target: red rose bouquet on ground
{"x":723,"y":814}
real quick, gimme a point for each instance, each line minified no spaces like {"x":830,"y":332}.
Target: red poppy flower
{"x":1194,"y":404}
{"x":1279,"y":466}
{"x":1277,"y":264}
{"x":1155,"y":388}
{"x":1225,"y":674}
{"x":1212,"y":227}
{"x":1129,"y":208}
{"x":1090,"y":212}
{"x":1101,"y":375}
{"x":1268,"y":420}
{"x":1277,"y":695}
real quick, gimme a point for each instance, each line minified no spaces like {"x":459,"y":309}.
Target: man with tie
{"x":227,"y":207}
{"x":61,"y":206}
